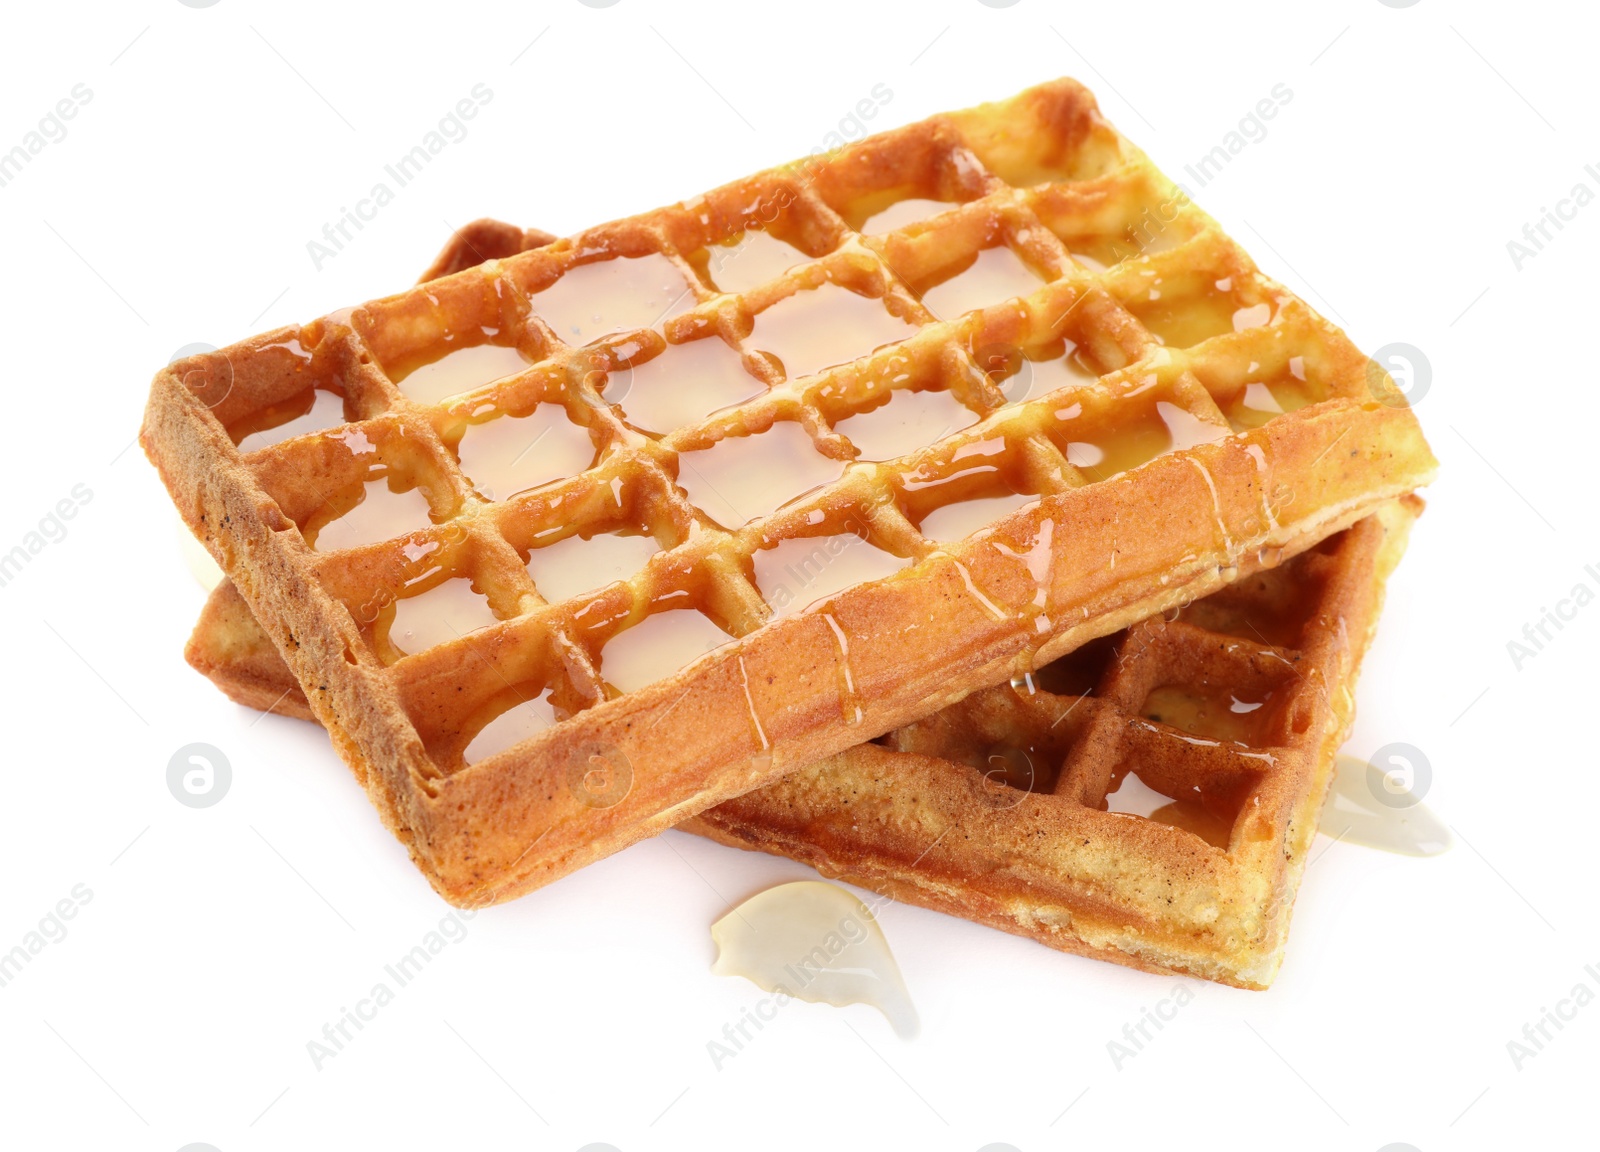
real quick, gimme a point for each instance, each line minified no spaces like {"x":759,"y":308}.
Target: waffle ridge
{"x":1203,"y":487}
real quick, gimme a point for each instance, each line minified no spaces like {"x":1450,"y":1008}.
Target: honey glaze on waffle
{"x":681,"y":385}
{"x":1044,"y":396}
{"x":308,"y":411}
{"x":1141,"y":799}
{"x":459,"y":370}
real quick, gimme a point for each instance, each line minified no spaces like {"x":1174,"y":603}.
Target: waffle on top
{"x":1176,"y":413}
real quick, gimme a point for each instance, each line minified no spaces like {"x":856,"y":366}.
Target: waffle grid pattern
{"x":703,"y":565}
{"x":1226,"y":329}
{"x":1096,"y":708}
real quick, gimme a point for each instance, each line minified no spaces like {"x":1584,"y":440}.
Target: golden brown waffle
{"x":1180,"y":418}
{"x":1227,"y":714}
{"x":1209,"y":733}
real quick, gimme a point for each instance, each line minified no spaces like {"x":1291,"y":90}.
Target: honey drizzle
{"x":755,"y":720}
{"x":849,"y":701}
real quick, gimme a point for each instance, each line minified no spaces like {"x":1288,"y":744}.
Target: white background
{"x":218,"y":942}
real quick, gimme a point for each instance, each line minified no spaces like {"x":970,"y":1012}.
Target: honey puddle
{"x":995,"y":274}
{"x":580,"y":564}
{"x":510,"y":454}
{"x":383,"y":513}
{"x":1036,"y":378}
{"x":512,"y":726}
{"x":1133,"y":797}
{"x":903,"y":213}
{"x":658,"y":646}
{"x":1369,"y":807}
{"x":908,"y":420}
{"x":742,"y":478}
{"x":817,"y":328}
{"x":595,"y":300}
{"x":462,"y":370}
{"x":1123,"y":448}
{"x":444,"y":612}
{"x":1182,"y":323}
{"x":750,"y":260}
{"x":1259,"y":402}
{"x":795,"y":574}
{"x":1219,"y":715}
{"x":311,"y":411}
{"x":959,"y":520}
{"x":683,"y":385}
{"x":816,"y":942}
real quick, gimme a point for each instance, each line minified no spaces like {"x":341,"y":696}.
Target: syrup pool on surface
{"x":1131,"y":796}
{"x":1258,"y":402}
{"x":511,"y":454}
{"x":902,"y":213}
{"x":820,"y":327}
{"x":1215,"y":715}
{"x":907,"y":421}
{"x":817,"y":942}
{"x":749,"y":260}
{"x":658,"y":646}
{"x":617,"y":295}
{"x":448,"y":610}
{"x":514,"y":725}
{"x":462,"y":370}
{"x":1183,"y":321}
{"x":995,"y":274}
{"x":1138,"y":440}
{"x":742,"y":478}
{"x":794,"y":574}
{"x":382,"y":514}
{"x":576,"y":565}
{"x":682,"y":385}
{"x":961,"y":519}
{"x":1035,"y":378}
{"x":311,"y":411}
{"x":1375,"y":809}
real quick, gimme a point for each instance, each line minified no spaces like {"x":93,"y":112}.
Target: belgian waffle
{"x":1142,"y":420}
{"x":1226,"y":713}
